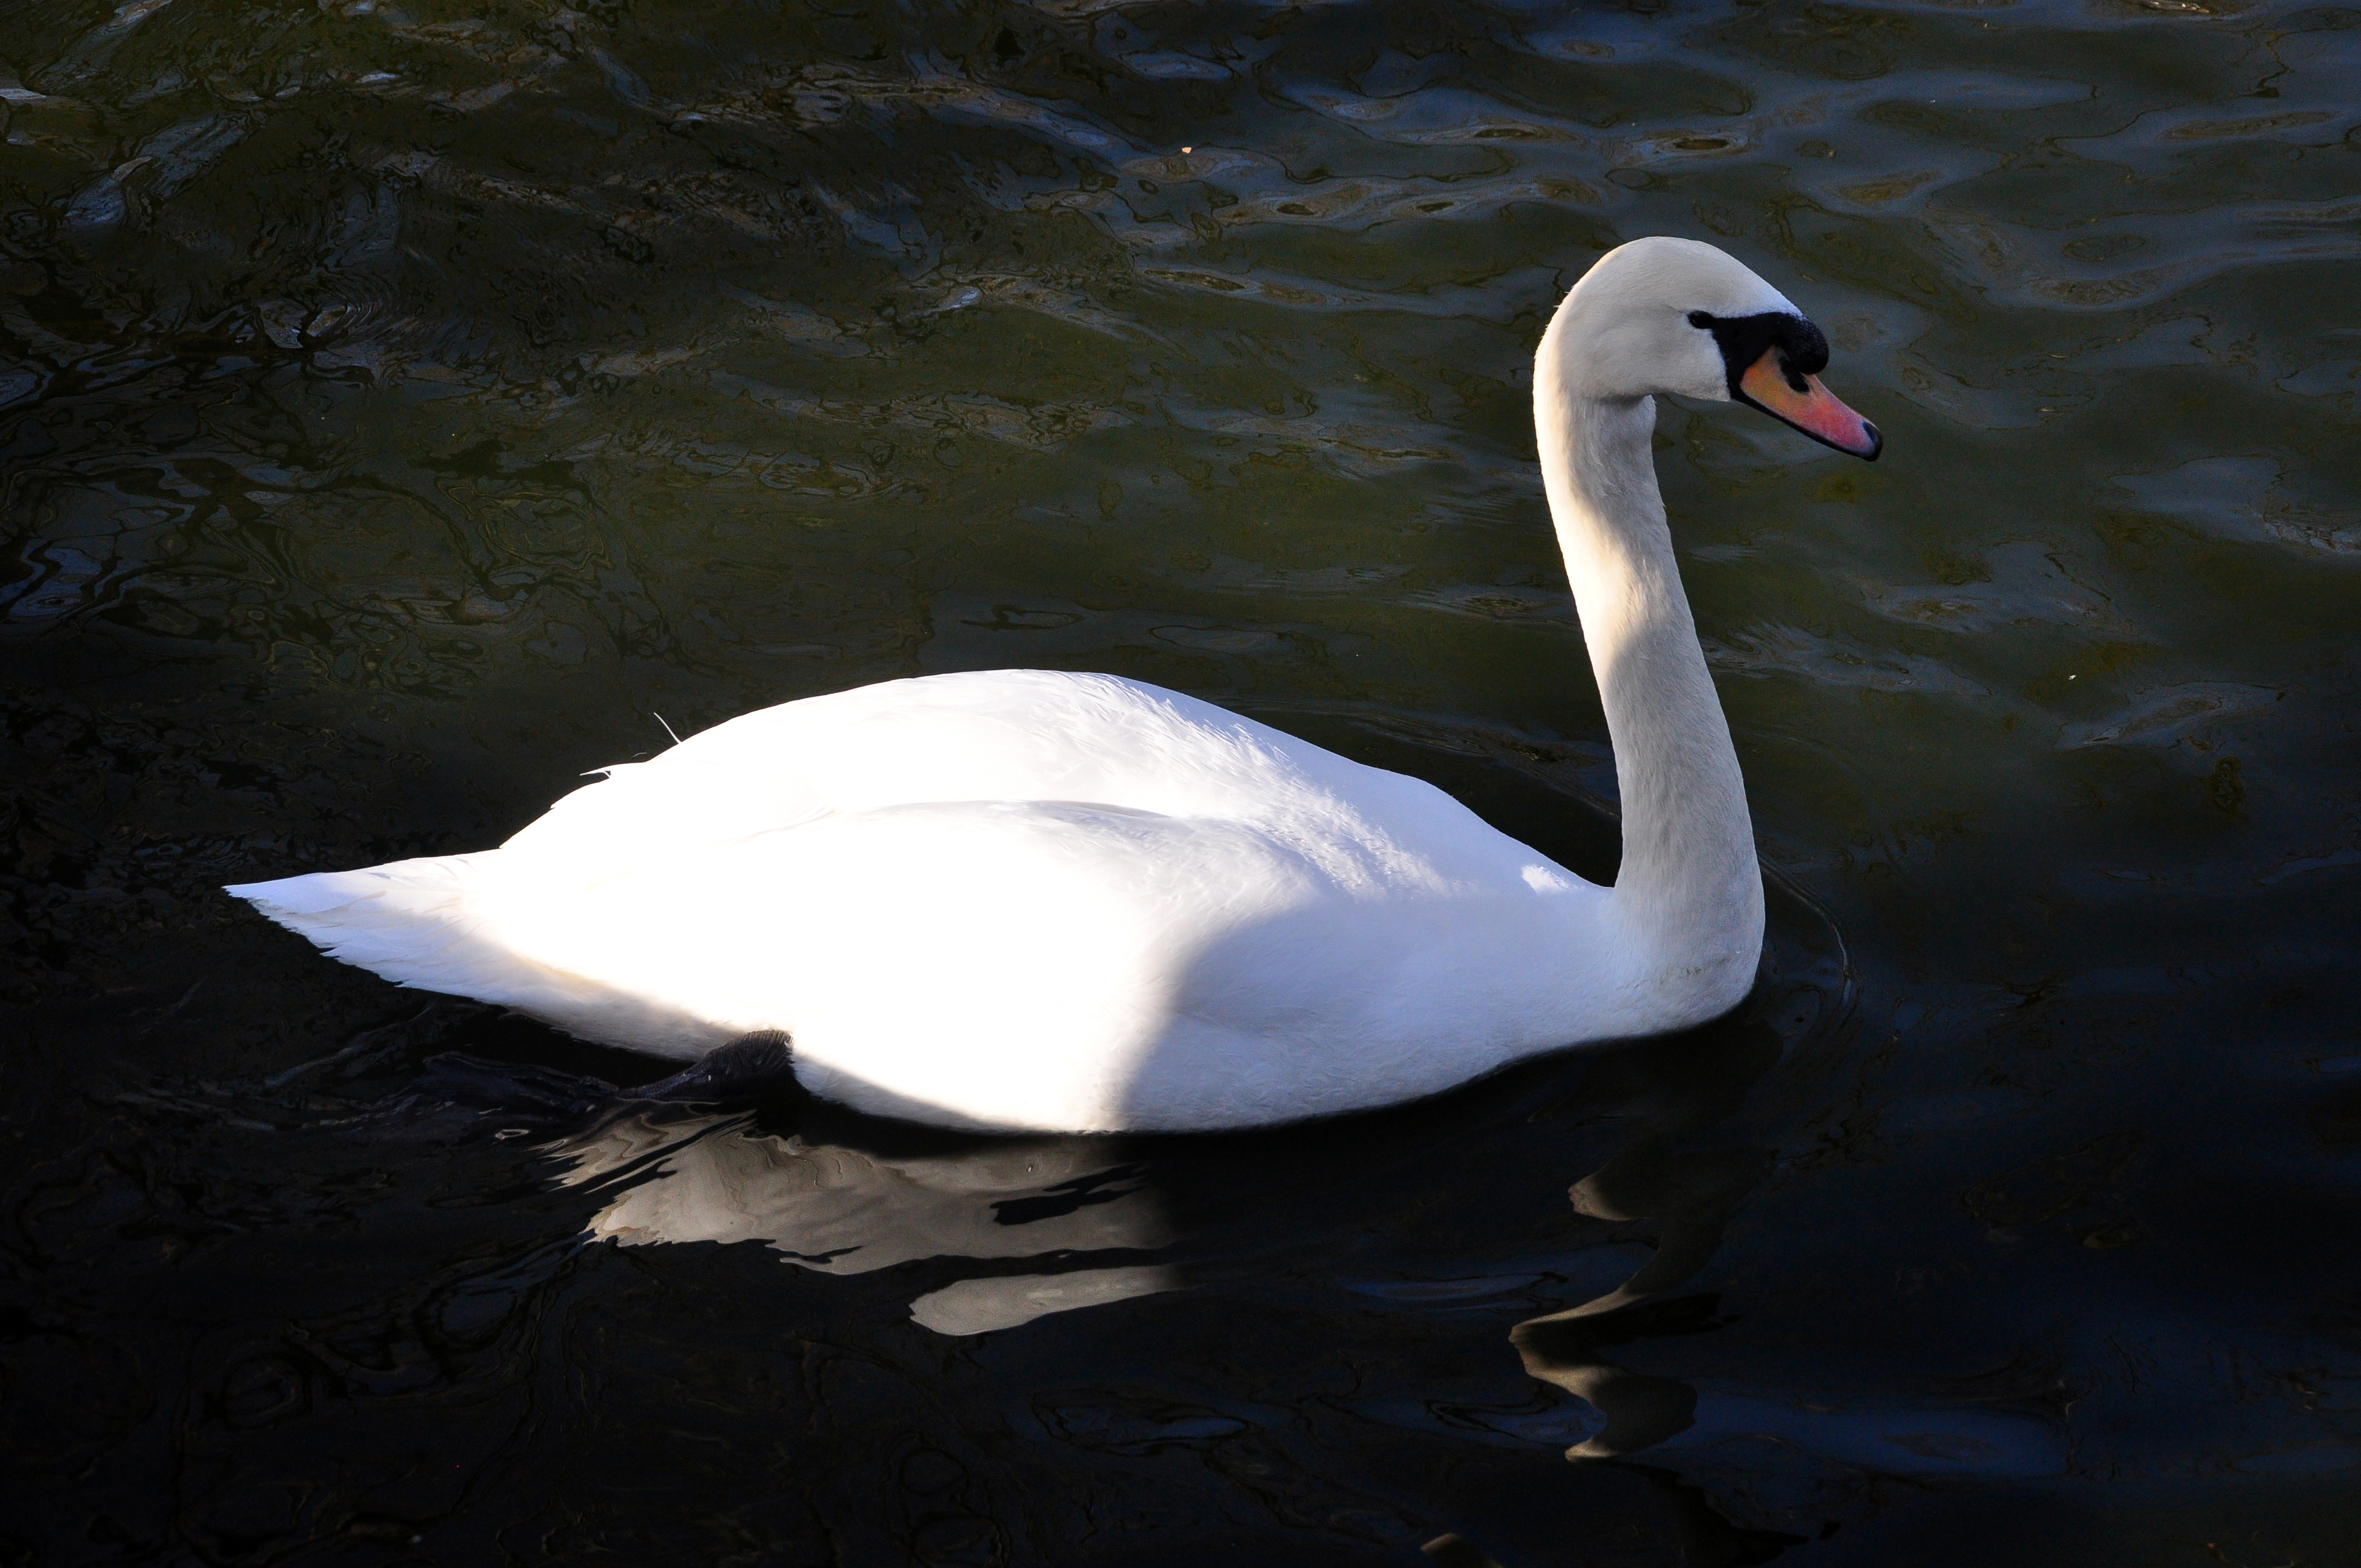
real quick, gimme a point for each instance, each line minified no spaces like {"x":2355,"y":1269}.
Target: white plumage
{"x":1007,"y":899}
{"x":1022,"y":899}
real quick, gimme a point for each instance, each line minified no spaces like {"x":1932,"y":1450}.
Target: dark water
{"x":402,"y":402}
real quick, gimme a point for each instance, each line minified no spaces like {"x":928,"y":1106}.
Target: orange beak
{"x":1801,"y":402}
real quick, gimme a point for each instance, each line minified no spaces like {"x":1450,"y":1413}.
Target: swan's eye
{"x":1780,"y":342}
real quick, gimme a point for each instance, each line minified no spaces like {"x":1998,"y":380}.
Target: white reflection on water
{"x":718,"y":1176}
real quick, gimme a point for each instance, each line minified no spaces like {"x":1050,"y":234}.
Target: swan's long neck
{"x":1689,"y":894}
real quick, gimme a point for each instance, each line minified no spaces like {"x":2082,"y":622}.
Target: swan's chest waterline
{"x":1033,"y":900}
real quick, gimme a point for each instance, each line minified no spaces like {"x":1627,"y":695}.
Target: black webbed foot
{"x":746,"y":1066}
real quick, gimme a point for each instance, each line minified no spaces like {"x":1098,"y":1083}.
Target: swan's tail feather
{"x":421,"y":924}
{"x":410,"y":921}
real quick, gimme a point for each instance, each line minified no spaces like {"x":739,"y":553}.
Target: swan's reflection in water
{"x":836,"y":1193}
{"x":1669,"y":1419}
{"x":1670,"y":1177}
{"x":682,"y":1174}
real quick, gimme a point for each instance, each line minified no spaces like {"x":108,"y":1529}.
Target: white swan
{"x":1016,"y":899}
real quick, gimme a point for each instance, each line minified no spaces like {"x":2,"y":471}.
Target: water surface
{"x":405,"y":401}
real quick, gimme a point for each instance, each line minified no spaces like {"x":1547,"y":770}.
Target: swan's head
{"x":1673,"y":315}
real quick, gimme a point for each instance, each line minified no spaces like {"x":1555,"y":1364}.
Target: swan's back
{"x":1016,"y":736}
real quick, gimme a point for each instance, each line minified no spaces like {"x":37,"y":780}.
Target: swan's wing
{"x":926,"y":927}
{"x":1033,"y":964}
{"x":1013,"y":736}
